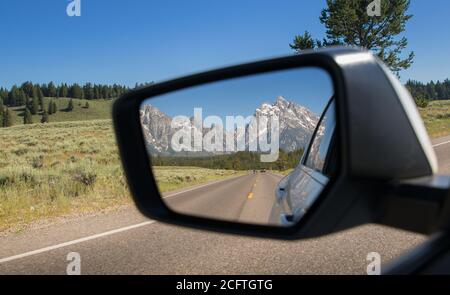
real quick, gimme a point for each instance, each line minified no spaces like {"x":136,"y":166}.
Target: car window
{"x":322,"y":140}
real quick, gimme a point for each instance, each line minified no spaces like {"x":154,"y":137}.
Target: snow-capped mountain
{"x":296,"y":125}
{"x":296,"y":122}
{"x":156,"y":128}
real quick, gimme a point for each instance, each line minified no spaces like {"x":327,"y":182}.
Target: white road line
{"x":50,"y":248}
{"x":201,"y":186}
{"x":442,"y":143}
{"x":96,"y":236}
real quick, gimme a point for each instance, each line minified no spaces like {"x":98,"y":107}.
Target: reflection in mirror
{"x":231,"y":150}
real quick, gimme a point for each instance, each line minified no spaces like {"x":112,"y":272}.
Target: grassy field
{"x":436,"y":117}
{"x":98,"y":109}
{"x":171,"y":178}
{"x":49,"y":170}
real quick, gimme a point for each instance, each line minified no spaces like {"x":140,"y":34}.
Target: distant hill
{"x":98,"y":109}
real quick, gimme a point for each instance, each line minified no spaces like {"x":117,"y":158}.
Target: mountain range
{"x":296,"y":125}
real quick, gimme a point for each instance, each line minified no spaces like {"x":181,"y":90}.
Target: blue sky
{"x":140,"y":40}
{"x":309,"y":87}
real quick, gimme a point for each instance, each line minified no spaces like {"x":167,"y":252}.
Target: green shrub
{"x":27,"y":177}
{"x":421,"y":102}
{"x":443,"y":116}
{"x":20,"y":152}
{"x":86,"y":178}
{"x":37,"y":162}
{"x":5,"y":180}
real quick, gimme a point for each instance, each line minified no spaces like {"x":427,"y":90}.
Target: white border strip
{"x":442,"y":143}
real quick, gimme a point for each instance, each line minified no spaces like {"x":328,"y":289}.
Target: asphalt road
{"x":249,"y":198}
{"x":442,"y":149}
{"x":125,"y":242}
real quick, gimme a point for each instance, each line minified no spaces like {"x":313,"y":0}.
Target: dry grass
{"x":51,"y":170}
{"x":173,"y":178}
{"x":56,"y":169}
{"x":436,"y":117}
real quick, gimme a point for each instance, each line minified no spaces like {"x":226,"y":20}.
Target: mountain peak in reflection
{"x":297,"y":124}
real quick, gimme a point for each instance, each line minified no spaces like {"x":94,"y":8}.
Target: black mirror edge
{"x":344,"y":203}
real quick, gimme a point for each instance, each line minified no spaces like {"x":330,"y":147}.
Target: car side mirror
{"x":336,"y":120}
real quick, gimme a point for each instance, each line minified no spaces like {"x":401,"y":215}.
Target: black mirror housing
{"x":380,"y":142}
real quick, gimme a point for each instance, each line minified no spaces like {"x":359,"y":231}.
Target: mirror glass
{"x":236,"y":149}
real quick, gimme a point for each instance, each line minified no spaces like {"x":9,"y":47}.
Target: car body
{"x":299,"y":189}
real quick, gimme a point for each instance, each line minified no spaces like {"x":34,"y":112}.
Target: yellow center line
{"x":250,"y":194}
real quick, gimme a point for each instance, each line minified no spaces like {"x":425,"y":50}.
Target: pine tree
{"x":348,"y":23}
{"x":11,"y":96}
{"x":41,"y":99}
{"x":35,"y":91}
{"x":22,"y":98}
{"x":44,"y":118}
{"x":51,"y":89}
{"x":50,"y":108}
{"x":34,"y":107}
{"x":86,"y":106}
{"x":27,"y":118}
{"x":63,"y":90}
{"x":431,"y":91}
{"x":27,"y":88}
{"x":70,"y":106}
{"x":16,"y":97}
{"x":76,"y":91}
{"x":7,"y":118}
{"x":440,"y":90}
{"x":54,"y":107}
{"x":1,"y":106}
{"x":96,"y":93}
{"x":88,"y":91}
{"x":1,"y":118}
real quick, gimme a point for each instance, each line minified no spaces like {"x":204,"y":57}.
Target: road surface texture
{"x":125,"y":242}
{"x":249,"y":198}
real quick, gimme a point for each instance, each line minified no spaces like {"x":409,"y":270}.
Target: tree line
{"x":5,"y":115}
{"x":19,"y":95}
{"x":431,"y":90}
{"x":244,"y":160}
{"x":31,"y":96}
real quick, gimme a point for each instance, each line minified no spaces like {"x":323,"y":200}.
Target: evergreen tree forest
{"x":244,"y":160}
{"x":32,"y":94}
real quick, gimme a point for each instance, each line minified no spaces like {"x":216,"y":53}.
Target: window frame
{"x":308,"y":151}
